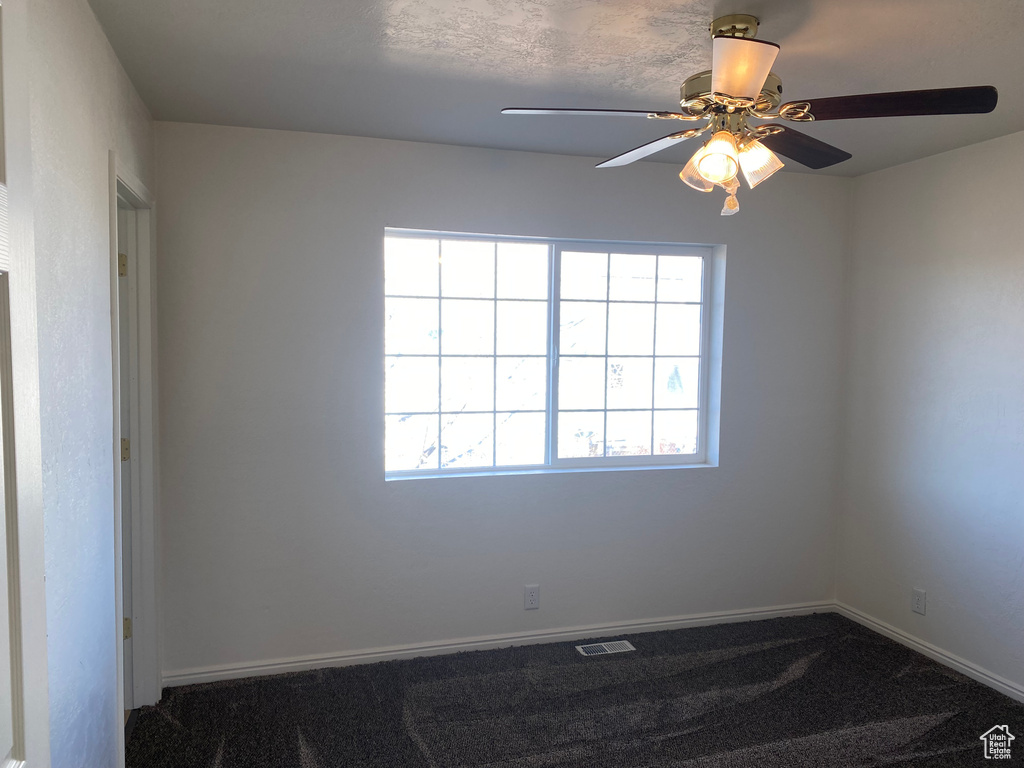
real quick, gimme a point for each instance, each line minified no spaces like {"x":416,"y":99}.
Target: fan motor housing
{"x":735,"y":25}
{"x":699,"y":86}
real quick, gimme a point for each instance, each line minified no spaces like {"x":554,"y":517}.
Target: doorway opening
{"x":134,"y":433}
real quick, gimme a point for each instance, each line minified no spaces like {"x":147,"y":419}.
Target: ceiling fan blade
{"x":741,"y":65}
{"x":805,"y":149}
{"x":606,"y":112}
{"x":647,"y":149}
{"x":975,"y":99}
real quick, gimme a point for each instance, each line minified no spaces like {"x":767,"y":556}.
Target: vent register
{"x":600,"y":649}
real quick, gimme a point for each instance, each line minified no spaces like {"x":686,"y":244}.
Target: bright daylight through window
{"x":525,"y":354}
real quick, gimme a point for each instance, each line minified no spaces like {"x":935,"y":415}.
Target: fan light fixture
{"x":692,"y":177}
{"x":741,"y":87}
{"x":741,"y":65}
{"x":719,"y":160}
{"x":758,"y":163}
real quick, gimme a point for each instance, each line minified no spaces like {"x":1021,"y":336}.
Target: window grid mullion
{"x":494,"y":380}
{"x":596,"y":301}
{"x":538,"y":301}
{"x":440,"y":334}
{"x":553,"y":340}
{"x":468,"y":412}
{"x":467,"y":298}
{"x":654,"y":348}
{"x":530,"y":410}
{"x":694,"y":357}
{"x":607,"y":321}
{"x":702,"y":373}
{"x":535,"y":357}
{"x":470,"y":354}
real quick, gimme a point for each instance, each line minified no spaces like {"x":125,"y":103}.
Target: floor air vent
{"x":599,"y":649}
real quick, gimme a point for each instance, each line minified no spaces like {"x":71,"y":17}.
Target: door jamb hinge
{"x":122,"y":265}
{"x":126,"y":449}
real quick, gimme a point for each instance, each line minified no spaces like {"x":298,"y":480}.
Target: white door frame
{"x":11,"y":560}
{"x":146,"y":672}
{"x":25,"y":491}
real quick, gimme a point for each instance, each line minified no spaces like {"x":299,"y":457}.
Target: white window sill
{"x":497,"y":471}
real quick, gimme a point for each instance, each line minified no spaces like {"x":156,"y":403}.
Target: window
{"x":525,"y":354}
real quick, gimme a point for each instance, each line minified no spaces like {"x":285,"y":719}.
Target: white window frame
{"x":712,"y":293}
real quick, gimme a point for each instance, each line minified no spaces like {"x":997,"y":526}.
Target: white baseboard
{"x":368,"y":655}
{"x":992,"y":680}
{"x":484,"y":642}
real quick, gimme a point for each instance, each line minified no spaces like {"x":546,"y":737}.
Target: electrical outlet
{"x":531,"y":597}
{"x":917,"y":601}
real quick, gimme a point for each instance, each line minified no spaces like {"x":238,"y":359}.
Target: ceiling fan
{"x":739,"y":87}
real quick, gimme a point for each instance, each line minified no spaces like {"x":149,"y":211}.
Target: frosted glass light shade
{"x":719,"y":161}
{"x":690,"y":176}
{"x":758,"y":163}
{"x":741,"y":65}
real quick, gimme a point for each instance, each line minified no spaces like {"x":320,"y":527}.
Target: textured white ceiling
{"x":440,"y":70}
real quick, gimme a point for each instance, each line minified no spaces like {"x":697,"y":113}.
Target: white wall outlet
{"x":917,"y":601}
{"x":531,"y":597}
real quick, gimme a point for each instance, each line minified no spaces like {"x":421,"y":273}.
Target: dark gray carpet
{"x":814,"y":690}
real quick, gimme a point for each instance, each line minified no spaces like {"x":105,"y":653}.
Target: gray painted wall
{"x":934,"y":470}
{"x":83,"y":105}
{"x":280,"y":536}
